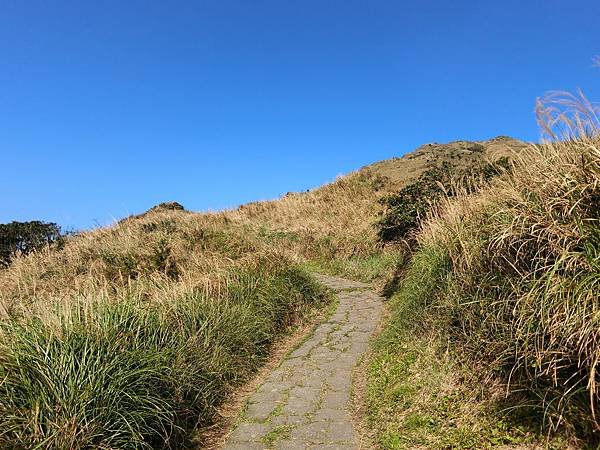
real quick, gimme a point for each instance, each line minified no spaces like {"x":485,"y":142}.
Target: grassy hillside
{"x":495,"y":327}
{"x":333,"y":228}
{"x":132,"y":335}
{"x":459,"y":155}
{"x":493,"y":332}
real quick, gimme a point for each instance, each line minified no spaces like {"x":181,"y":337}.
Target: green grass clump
{"x":420,"y":392}
{"x":380,"y":264}
{"x":137,"y":374}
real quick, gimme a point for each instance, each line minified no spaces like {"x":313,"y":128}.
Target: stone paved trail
{"x":305,"y":402}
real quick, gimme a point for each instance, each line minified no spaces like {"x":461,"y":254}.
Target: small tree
{"x":21,"y":238}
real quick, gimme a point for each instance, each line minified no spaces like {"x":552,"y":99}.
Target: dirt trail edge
{"x":305,"y":402}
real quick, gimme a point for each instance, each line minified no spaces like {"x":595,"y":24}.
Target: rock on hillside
{"x":168,"y":206}
{"x":161,"y":207}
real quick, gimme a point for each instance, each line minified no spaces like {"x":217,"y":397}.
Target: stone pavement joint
{"x":305,"y":402}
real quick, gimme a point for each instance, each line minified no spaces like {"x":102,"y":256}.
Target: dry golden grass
{"x":525,"y":258}
{"x":143,"y":258}
{"x":169,"y":251}
{"x":343,"y":210}
{"x":131,"y":335}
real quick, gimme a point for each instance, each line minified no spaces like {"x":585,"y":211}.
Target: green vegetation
{"x":371,"y":267}
{"x":277,"y":433}
{"x":404,"y":210}
{"x":494,"y":332}
{"x":131,"y":337}
{"x":421,"y":394}
{"x":129,"y":376}
{"x":21,"y":238}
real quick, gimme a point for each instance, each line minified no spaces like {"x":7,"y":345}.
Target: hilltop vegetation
{"x":335,"y":227}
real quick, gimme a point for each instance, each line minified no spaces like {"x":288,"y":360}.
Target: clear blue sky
{"x":109,"y":107}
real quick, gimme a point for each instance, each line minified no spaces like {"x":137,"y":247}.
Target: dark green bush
{"x":404,"y":210}
{"x":24,"y":237}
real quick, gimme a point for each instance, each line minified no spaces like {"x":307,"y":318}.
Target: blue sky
{"x":109,"y":107}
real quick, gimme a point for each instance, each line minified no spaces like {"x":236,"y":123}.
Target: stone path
{"x":305,"y":402}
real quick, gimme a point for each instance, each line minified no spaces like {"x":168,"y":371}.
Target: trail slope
{"x":305,"y":402}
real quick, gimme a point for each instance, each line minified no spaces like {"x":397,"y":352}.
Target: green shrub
{"x":404,"y":210}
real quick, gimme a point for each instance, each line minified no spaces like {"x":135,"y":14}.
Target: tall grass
{"x":525,"y":290}
{"x":329,"y":224}
{"x":504,"y":286}
{"x":132,"y":336}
